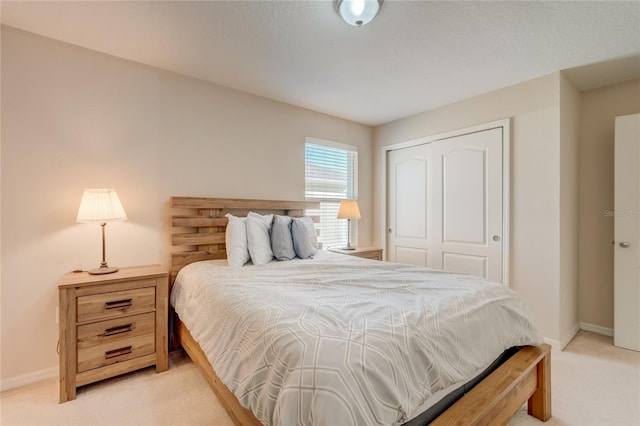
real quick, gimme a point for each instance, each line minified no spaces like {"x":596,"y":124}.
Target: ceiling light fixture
{"x":358,"y":12}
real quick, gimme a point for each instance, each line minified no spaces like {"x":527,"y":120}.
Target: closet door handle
{"x":624,"y":244}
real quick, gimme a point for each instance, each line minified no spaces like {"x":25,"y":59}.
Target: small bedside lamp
{"x":100,"y":205}
{"x":349,"y":210}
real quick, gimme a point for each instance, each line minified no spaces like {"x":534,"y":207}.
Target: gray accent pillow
{"x":281,"y":239}
{"x":305,"y":237}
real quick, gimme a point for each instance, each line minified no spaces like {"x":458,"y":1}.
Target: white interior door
{"x":627,"y":233}
{"x":446,"y":204}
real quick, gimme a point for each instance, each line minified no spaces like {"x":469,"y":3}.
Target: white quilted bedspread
{"x":339,"y":340}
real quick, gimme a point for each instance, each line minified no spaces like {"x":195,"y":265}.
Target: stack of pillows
{"x":263,"y":238}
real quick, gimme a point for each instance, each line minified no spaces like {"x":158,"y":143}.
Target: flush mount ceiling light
{"x":358,"y":12}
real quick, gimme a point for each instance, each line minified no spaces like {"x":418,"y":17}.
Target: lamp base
{"x":347,"y":248}
{"x":103,"y":270}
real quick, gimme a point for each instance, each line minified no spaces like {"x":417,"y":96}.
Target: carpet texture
{"x":593,"y":384}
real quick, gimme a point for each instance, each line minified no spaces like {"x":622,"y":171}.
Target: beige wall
{"x":599,"y":108}
{"x":561,"y":184}
{"x":569,"y":156}
{"x":73,"y":118}
{"x":535,"y":182}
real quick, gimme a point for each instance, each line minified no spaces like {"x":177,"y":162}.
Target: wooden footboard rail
{"x":526,"y":376}
{"x":240,"y":415}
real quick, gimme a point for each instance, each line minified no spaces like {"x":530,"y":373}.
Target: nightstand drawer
{"x":109,"y":305}
{"x":372,"y":253}
{"x":113,"y":330}
{"x":107,"y":342}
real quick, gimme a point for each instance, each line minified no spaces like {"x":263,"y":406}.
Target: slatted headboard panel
{"x":198,"y":224}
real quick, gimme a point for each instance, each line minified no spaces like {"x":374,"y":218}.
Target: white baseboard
{"x":29,"y":378}
{"x":570,"y":335}
{"x":605,"y":331}
{"x":555,"y":344}
{"x":561,"y":344}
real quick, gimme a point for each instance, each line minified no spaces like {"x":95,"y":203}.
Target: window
{"x":331,"y":175}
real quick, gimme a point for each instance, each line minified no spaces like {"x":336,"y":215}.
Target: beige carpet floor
{"x":593,"y":384}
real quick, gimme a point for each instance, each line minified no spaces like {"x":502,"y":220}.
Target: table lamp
{"x":349,"y":210}
{"x":101,"y":205}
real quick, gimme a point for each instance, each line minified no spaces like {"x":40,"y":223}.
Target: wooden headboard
{"x":198,"y":224}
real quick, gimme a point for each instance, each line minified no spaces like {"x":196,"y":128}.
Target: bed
{"x":199,"y":234}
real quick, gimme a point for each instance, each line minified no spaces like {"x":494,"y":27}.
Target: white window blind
{"x":331,"y":175}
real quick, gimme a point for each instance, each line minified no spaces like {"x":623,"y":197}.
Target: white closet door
{"x":627,"y":233}
{"x":445,"y":204}
{"x":470,"y":185}
{"x":409,"y":218}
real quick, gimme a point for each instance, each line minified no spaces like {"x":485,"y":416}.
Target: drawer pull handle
{"x":118,"y":304}
{"x":118,"y":330}
{"x":117,"y":352}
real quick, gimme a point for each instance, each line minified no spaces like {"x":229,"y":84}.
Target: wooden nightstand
{"x":366,"y":252}
{"x":111,"y":324}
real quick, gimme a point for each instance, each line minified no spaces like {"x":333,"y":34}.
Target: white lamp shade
{"x":358,"y":12}
{"x":349,"y":210}
{"x":100,"y":205}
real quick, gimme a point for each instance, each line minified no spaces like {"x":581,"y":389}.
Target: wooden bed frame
{"x":199,"y":231}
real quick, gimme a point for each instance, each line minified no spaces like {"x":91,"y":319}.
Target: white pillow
{"x":259,"y":238}
{"x":236,"y":241}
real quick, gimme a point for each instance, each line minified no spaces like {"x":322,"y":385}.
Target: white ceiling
{"x":415,"y":56}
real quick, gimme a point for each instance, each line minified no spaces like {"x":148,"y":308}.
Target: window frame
{"x":351,"y":192}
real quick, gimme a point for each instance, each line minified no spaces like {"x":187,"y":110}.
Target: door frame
{"x":505,"y":124}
